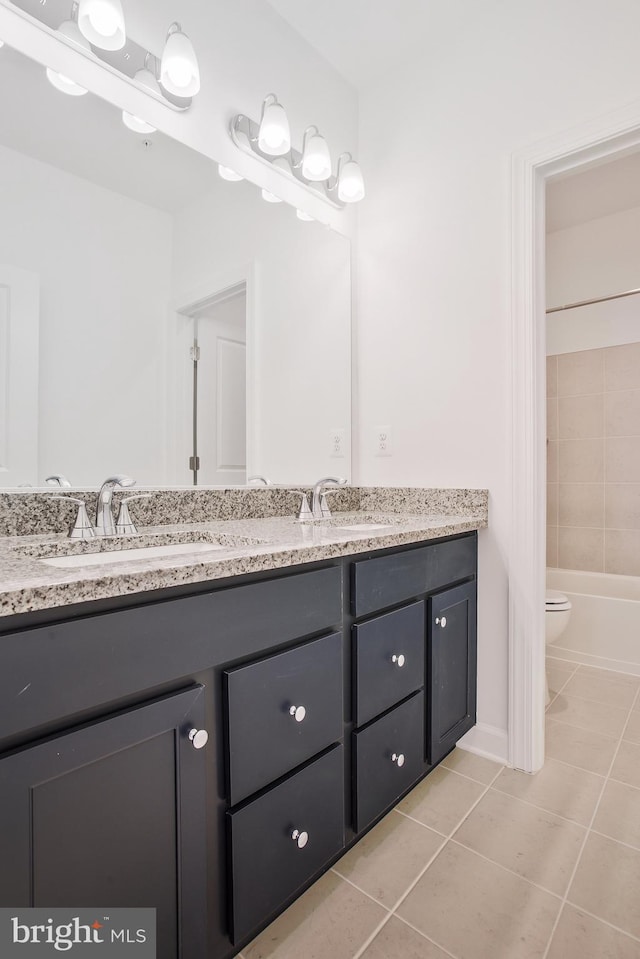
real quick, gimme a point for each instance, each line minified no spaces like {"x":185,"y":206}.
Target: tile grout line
{"x":584,"y":729}
{"x":588,"y":831}
{"x":605,"y":922}
{"x":412,"y":885}
{"x":549,"y":812}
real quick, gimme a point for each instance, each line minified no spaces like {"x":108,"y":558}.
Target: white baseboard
{"x":587,"y":659}
{"x":490,"y":742}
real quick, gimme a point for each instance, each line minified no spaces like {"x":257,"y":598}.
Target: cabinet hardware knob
{"x":398,"y":759}
{"x":198,"y":737}
{"x":298,"y":713}
{"x":300,"y":838}
{"x":441,"y":621}
{"x":398,"y":660}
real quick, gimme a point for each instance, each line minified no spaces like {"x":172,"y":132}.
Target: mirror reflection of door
{"x":219,"y":426}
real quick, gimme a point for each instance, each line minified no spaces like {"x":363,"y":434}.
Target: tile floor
{"x":482,"y":862}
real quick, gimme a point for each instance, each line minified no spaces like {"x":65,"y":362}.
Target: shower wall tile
{"x":622,"y":506}
{"x":581,"y":548}
{"x":552,"y":546}
{"x":581,"y":373}
{"x":622,"y":552}
{"x":552,"y":461}
{"x":552,"y":504}
{"x":581,"y":504}
{"x":623,"y":459}
{"x":552,"y":418}
{"x":622,"y":367}
{"x":580,"y":417}
{"x":622,"y":413}
{"x":581,"y":461}
{"x":552,"y":376}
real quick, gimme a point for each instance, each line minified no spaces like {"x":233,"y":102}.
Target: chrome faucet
{"x":319,"y":506}
{"x":259,"y":480}
{"x":57,"y":480}
{"x":105,"y":523}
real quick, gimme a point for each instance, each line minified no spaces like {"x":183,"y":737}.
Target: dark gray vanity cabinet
{"x":327,"y":691}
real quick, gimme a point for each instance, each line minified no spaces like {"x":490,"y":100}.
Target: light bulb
{"x":274,"y":136}
{"x":102,"y":23}
{"x":179,"y":71}
{"x":350,"y":182}
{"x":304,"y":216}
{"x":270,"y":197}
{"x":65,"y":84}
{"x":1,"y":43}
{"x":316,"y":159}
{"x":134,"y":123}
{"x":228,"y":174}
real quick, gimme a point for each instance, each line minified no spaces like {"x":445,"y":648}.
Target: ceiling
{"x":601,"y":190}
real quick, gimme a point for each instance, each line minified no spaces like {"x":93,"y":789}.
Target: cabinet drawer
{"x":265,"y":740}
{"x":379,"y":779}
{"x":389,"y":580}
{"x":267,"y":864}
{"x":380,"y":680}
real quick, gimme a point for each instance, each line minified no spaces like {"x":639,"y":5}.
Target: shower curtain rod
{"x":600,"y":299}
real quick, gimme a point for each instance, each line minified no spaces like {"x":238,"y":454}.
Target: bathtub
{"x":604,"y":629}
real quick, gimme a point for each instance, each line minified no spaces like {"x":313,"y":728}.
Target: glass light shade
{"x":316,"y":159}
{"x":304,"y":216}
{"x":270,"y":197}
{"x":228,"y":174}
{"x":102,"y":23}
{"x":71,"y":31}
{"x":350,"y":183}
{"x":1,"y":43}
{"x":274,"y":137}
{"x":134,"y":123}
{"x":179,"y":71}
{"x":147,"y":80}
{"x":65,"y":84}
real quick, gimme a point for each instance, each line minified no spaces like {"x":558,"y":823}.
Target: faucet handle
{"x":324,"y":506}
{"x":82,"y":528}
{"x":57,"y":479}
{"x":124,"y":524}
{"x":305,"y":512}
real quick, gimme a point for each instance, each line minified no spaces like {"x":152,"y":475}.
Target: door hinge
{"x":194,"y":353}
{"x":194,"y":462}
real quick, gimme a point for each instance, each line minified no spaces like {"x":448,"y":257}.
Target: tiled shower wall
{"x":593,"y":460}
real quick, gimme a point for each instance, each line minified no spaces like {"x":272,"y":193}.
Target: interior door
{"x":19,"y":368}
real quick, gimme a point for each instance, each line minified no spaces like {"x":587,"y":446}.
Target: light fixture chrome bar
{"x":125,"y":62}
{"x":599,"y":299}
{"x":244,"y":133}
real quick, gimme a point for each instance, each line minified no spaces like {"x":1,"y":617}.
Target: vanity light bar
{"x":311,"y":167}
{"x":181,"y":65}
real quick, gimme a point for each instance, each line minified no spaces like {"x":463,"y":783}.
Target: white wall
{"x":434,"y":240}
{"x":104,"y":264}
{"x":596,"y":258}
{"x":298,"y":328}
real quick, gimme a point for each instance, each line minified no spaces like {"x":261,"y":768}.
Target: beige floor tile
{"x":476,"y":910}
{"x":610,"y":675}
{"x":579,"y":747}
{"x":632,"y":732}
{"x":579,"y":936}
{"x":607,"y":882}
{"x":626,"y":768}
{"x":332,"y":920}
{"x":397,"y":940}
{"x":389,"y":858}
{"x":600,"y":690}
{"x":557,"y":678}
{"x":442,"y":800}
{"x":564,"y":790}
{"x":597,"y":717}
{"x":619,"y":813}
{"x":561,"y":664}
{"x":475,"y":767}
{"x":534,"y":843}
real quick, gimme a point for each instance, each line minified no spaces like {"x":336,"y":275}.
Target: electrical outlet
{"x":382,"y":441}
{"x":337,"y":442}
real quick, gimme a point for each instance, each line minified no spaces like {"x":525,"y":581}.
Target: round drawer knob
{"x":300,"y":838}
{"x":199,"y":738}
{"x":398,"y":660}
{"x":298,"y":713}
{"x":398,"y":759}
{"x":441,"y":621}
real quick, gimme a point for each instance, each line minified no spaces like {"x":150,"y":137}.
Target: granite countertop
{"x":29,"y":581}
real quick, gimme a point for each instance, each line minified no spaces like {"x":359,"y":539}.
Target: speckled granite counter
{"x":261,"y":541}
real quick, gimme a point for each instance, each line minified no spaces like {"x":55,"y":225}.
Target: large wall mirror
{"x":155,"y":319}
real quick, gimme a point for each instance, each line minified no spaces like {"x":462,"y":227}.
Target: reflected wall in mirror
{"x":152,"y":313}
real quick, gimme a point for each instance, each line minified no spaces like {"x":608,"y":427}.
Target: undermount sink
{"x":127,"y":555}
{"x":364,"y":527}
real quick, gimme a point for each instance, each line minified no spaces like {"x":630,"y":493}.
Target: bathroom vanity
{"x":212,"y":748}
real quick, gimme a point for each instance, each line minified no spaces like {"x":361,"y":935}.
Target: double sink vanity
{"x":203,"y":716}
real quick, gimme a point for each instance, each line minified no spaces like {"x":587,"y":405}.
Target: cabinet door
{"x":113,"y":814}
{"x":452,"y":658}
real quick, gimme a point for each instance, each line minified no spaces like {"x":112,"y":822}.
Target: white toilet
{"x":557,"y":612}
